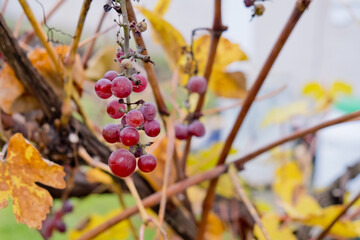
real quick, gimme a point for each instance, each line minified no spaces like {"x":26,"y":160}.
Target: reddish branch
{"x":213,"y":173}
{"x":217,"y":29}
{"x":299,"y":9}
{"x":148,"y":66}
{"x":337,"y":218}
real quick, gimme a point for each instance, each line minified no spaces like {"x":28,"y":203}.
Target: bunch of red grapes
{"x":196,"y":84}
{"x":55,"y":222}
{"x":122,"y":162}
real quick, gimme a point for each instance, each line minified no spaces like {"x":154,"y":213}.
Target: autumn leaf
{"x":119,"y":231}
{"x":95,"y":175}
{"x":205,"y":160}
{"x":161,"y":7}
{"x":13,"y":96}
{"x":282,"y":114}
{"x":20,"y":170}
{"x":325,"y":96}
{"x":273,"y":226}
{"x":303,"y":208}
{"x":222,"y":82}
{"x":214,"y":227}
{"x":164,"y":33}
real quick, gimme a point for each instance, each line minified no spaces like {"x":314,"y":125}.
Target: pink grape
{"x":111,"y":133}
{"x":122,"y":162}
{"x":129,"y":136}
{"x":114,"y":109}
{"x":196,"y":128}
{"x":103,"y":88}
{"x":147,"y":163}
{"x":181,"y":131}
{"x":141,"y":85}
{"x":121,"y":87}
{"x":152,"y":128}
{"x":134,"y":118}
{"x":148,"y":110}
{"x":197,"y":84}
{"x":111,"y":75}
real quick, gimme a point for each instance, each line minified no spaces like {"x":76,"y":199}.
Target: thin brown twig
{"x":69,"y":63}
{"x":337,"y":218}
{"x":240,"y":102}
{"x":18,"y":25}
{"x":89,"y":50}
{"x":31,"y":35}
{"x":170,"y":148}
{"x":41,"y":35}
{"x":242,"y":195}
{"x":4,"y":7}
{"x":215,"y":172}
{"x":299,"y":9}
{"x":217,"y":29}
{"x":88,"y":40}
{"x":163,"y":110}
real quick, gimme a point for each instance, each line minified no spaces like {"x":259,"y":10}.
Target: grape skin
{"x":121,"y":87}
{"x":103,"y":88}
{"x":147,"y":163}
{"x":148,"y":110}
{"x":129,"y":136}
{"x":114,"y":109}
{"x":111,"y":133}
{"x":143,"y":83}
{"x":181,"y":131}
{"x":196,"y":128}
{"x":152,"y":128}
{"x":197,"y":84}
{"x":134,"y":118}
{"x":122,"y":162}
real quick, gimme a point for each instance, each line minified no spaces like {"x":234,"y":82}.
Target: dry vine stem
{"x":299,"y":9}
{"x":41,"y":35}
{"x":69,"y":63}
{"x":163,"y":110}
{"x":242,"y":195}
{"x":337,"y":218}
{"x":213,"y":173}
{"x":216,"y":32}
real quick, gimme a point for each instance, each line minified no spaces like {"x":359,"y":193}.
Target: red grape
{"x":103,"y":88}
{"x":181,"y":131}
{"x":122,"y":162}
{"x":111,"y":133}
{"x":134,"y":118}
{"x":148,"y":110}
{"x":67,"y":206}
{"x":152,"y":128}
{"x":129,"y":136}
{"x":140,"y":83}
{"x":114,"y":109}
{"x":249,"y":3}
{"x":111,"y":75}
{"x":60,"y":226}
{"x":196,"y":128}
{"x":121,"y":87}
{"x":197,"y":84}
{"x":147,"y":163}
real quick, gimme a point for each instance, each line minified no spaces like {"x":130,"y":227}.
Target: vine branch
{"x":180,"y":186}
{"x":299,"y":9}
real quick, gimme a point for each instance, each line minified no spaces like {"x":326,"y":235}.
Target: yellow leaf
{"x":119,"y":231}
{"x":14,"y":98}
{"x":214,"y":228}
{"x":339,"y":88}
{"x":344,"y":228}
{"x":273,"y":227}
{"x":314,"y":90}
{"x":21,"y":169}
{"x":279,"y":115}
{"x":161,"y":7}
{"x":164,"y":33}
{"x":95,"y":175}
{"x":229,"y":85}
{"x":207,"y":159}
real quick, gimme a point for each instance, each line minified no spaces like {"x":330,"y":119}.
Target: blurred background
{"x":324,"y":48}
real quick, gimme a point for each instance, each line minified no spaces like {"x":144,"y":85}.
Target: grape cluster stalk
{"x":133,"y":116}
